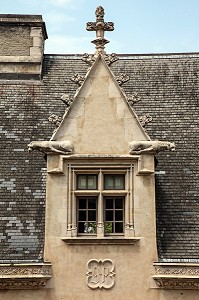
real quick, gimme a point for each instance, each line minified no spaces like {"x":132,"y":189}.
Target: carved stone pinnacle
{"x":100,"y":27}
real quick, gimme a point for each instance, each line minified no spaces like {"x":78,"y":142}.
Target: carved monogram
{"x":100,"y":274}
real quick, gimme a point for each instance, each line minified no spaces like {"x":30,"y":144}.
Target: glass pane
{"x":91,"y":203}
{"x":119,"y":215}
{"x":109,"y":182}
{"x":109,"y":203}
{"x":81,"y":182}
{"x":108,"y":227}
{"x":92,"y":215}
{"x":119,"y":182}
{"x":81,"y":227}
{"x":109,"y":215}
{"x":119,"y":227}
{"x":82,"y":215}
{"x":92,"y":182}
{"x":82,"y":203}
{"x":119,"y":203}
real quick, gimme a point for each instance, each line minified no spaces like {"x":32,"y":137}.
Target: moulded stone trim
{"x":176,"y":276}
{"x":101,"y":241}
{"x":24,"y":276}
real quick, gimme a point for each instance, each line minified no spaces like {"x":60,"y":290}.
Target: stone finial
{"x":100,"y":27}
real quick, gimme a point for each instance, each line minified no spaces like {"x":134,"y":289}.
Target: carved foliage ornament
{"x":134,"y":98}
{"x":145,"y":119}
{"x":100,"y":274}
{"x":78,"y":79}
{"x":122,"y":78}
{"x":56,"y":120}
{"x":177,"y":284}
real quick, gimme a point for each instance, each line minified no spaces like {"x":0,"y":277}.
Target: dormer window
{"x":100,"y":199}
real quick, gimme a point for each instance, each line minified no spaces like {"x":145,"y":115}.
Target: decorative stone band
{"x":24,"y":276}
{"x":176,"y":275}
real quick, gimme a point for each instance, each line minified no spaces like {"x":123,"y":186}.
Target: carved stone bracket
{"x":78,"y":79}
{"x":54,"y":119}
{"x":52,"y":147}
{"x":134,"y":98}
{"x":150,"y":147}
{"x":100,"y":274}
{"x":24,"y":276}
{"x":176,"y":275}
{"x":145,"y":119}
{"x":122,"y":78}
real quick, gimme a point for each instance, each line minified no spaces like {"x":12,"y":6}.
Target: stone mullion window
{"x":100,"y":192}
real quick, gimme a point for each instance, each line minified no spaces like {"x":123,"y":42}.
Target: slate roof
{"x":168,"y":86}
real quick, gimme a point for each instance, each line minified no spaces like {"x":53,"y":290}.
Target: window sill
{"x":101,"y":241}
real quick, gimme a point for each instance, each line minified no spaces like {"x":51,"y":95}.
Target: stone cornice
{"x":24,"y":276}
{"x":176,"y":275}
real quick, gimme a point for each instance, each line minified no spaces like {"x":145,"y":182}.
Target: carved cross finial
{"x":100,"y":27}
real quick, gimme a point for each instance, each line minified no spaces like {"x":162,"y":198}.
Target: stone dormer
{"x":22,"y":46}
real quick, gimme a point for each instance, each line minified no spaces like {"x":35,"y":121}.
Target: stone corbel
{"x":150,"y":147}
{"x":24,"y":276}
{"x":176,"y":276}
{"x":52,"y":147}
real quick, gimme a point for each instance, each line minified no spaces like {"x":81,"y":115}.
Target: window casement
{"x":100,"y":200}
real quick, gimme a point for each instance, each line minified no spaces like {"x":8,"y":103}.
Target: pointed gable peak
{"x":100,"y":120}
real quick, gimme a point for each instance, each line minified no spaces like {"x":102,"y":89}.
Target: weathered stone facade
{"x":100,"y":122}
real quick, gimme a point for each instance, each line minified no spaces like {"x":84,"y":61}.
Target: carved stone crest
{"x":100,"y":274}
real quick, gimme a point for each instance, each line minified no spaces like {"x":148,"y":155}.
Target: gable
{"x":100,"y":120}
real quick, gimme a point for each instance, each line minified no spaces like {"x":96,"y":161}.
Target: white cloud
{"x":68,"y":45}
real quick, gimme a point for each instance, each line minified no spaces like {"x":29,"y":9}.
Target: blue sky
{"x":141,"y":26}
